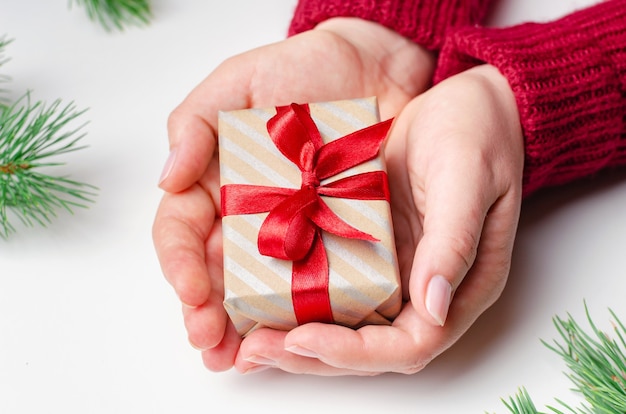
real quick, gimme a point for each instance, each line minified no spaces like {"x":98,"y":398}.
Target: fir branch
{"x":117,"y":13}
{"x":31,"y":135}
{"x":597,"y":365}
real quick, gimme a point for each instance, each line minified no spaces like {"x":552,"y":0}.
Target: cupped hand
{"x":455,"y":160}
{"x":342,"y":58}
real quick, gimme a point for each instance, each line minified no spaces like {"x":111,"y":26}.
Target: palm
{"x":321,"y":66}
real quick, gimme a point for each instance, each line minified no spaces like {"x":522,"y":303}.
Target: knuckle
{"x":465,"y":247}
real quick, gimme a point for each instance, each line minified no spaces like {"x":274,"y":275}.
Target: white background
{"x":89,"y":325}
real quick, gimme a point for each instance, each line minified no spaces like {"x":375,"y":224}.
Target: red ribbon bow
{"x":292,"y":229}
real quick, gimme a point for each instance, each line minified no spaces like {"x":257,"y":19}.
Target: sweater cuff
{"x":424,"y":22}
{"x":569,"y":80}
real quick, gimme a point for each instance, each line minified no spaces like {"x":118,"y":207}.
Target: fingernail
{"x":261,"y":360}
{"x":187,"y":306}
{"x":298,"y":350}
{"x":167,"y":168}
{"x":257,"y":368}
{"x":197,"y":347}
{"x":438,"y":296}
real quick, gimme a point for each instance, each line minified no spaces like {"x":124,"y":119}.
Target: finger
{"x":265,"y":348}
{"x":222,"y":356}
{"x":181,"y":226}
{"x":192,"y":142}
{"x":206,"y":323}
{"x":369,"y":350}
{"x":405,"y":347}
{"x":192,"y":125}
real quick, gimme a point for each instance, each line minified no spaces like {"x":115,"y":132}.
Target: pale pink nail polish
{"x":298,"y":350}
{"x":169,"y":164}
{"x":438,"y":296}
{"x":261,"y":360}
{"x":257,"y":368}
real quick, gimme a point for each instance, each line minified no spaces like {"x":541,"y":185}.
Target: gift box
{"x":306,"y":221}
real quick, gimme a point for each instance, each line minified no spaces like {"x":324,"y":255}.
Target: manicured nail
{"x":257,"y":368}
{"x":167,"y":168}
{"x":438,"y":296}
{"x":298,"y":350}
{"x":260,"y":360}
{"x":197,"y":347}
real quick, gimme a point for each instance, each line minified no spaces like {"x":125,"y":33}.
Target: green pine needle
{"x":31,"y":136}
{"x":117,"y":13}
{"x":3,"y":43}
{"x":597,"y":365}
{"x":521,"y":403}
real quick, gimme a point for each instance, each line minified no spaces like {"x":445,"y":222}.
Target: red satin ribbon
{"x":292,"y":229}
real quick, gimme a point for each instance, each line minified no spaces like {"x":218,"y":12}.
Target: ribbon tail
{"x":309,"y":286}
{"x":326,"y":219}
{"x":251,"y":199}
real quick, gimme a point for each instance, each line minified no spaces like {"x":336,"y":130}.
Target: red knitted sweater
{"x":568,"y":76}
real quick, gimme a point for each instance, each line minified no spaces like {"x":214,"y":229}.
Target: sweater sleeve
{"x":569,"y":80}
{"x":423,"y":21}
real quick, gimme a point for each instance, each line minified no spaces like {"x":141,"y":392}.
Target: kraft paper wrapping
{"x":364,"y":285}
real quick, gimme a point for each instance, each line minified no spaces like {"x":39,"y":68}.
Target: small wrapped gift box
{"x":306,"y":219}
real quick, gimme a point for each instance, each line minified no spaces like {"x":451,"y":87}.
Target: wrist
{"x":568,"y":79}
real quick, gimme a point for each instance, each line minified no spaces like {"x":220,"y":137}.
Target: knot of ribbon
{"x":292,"y":229}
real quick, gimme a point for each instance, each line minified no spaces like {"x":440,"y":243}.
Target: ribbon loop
{"x":351,"y":150}
{"x":287,"y":233}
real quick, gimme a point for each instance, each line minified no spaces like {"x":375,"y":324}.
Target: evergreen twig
{"x":31,"y":135}
{"x":597,"y":365}
{"x":117,"y":14}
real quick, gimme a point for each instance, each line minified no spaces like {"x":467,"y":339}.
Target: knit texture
{"x":569,"y":80}
{"x":425,"y":22}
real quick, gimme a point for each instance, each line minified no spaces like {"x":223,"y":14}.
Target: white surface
{"x":89,"y":325}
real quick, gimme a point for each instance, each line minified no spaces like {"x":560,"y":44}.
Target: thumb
{"x":192,"y":143}
{"x":454,"y":215}
{"x":192,"y":126}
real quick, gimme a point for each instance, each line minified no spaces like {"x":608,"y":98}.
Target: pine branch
{"x":117,"y":14}
{"x":597,"y":365}
{"x":597,"y":362}
{"x":31,"y":136}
